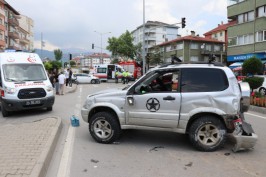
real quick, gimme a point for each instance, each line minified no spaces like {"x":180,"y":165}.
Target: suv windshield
{"x":23,"y":72}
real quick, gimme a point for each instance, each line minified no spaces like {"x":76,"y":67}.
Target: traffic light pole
{"x":143,"y":42}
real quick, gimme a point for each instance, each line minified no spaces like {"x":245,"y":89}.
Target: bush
{"x":254,"y":82}
{"x":252,"y":66}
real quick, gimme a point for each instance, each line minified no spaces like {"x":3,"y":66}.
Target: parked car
{"x":262,"y":89}
{"x":83,"y":78}
{"x":203,"y":100}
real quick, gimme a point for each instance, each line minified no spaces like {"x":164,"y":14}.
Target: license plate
{"x":33,"y":102}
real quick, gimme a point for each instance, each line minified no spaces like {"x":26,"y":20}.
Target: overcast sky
{"x":71,"y":23}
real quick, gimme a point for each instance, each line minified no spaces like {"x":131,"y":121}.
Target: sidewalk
{"x":26,"y":149}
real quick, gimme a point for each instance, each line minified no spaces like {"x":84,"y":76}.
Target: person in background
{"x":67,"y":76}
{"x":116,"y":77}
{"x":56,"y":83}
{"x":62,"y":81}
{"x":52,"y":79}
{"x":70,"y":77}
{"x":124,"y":76}
{"x":127,"y":77}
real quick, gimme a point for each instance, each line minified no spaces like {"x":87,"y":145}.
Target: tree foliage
{"x":252,"y":66}
{"x":58,"y":54}
{"x":254,"y":82}
{"x":72,"y":63}
{"x":123,"y":46}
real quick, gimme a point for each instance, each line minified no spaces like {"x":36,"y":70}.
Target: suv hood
{"x":109,"y":92}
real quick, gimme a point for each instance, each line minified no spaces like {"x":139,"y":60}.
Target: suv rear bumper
{"x":16,"y":105}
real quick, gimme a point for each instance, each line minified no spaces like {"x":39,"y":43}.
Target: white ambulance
{"x":24,"y":83}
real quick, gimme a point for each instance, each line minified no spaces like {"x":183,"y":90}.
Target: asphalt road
{"x":140,"y":153}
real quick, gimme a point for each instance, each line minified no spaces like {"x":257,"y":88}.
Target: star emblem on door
{"x":153,"y":105}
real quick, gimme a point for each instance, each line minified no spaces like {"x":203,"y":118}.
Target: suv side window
{"x":203,"y":80}
{"x":159,"y":81}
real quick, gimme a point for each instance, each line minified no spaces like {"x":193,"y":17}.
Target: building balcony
{"x":2,"y":44}
{"x":13,"y":22}
{"x":13,"y":35}
{"x":14,"y":46}
{"x":24,"y":41}
{"x":2,"y":28}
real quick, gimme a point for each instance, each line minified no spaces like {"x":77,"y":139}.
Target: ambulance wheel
{"x":50,"y":108}
{"x":5,"y":113}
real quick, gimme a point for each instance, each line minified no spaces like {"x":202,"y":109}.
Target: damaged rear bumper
{"x":244,"y":136}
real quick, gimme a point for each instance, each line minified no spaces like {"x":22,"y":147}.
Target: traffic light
{"x":92,"y":46}
{"x":183,"y":22}
{"x":70,"y":56}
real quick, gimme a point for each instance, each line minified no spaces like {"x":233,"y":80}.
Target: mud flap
{"x":244,"y":136}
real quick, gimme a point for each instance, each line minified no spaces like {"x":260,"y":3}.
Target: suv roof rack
{"x":198,"y":62}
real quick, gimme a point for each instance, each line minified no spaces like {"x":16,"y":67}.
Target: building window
{"x":179,"y":46}
{"x":232,"y":41}
{"x":221,"y":33}
{"x":262,"y":11}
{"x":217,"y":48}
{"x":194,"y":58}
{"x":246,"y":17}
{"x":208,"y":47}
{"x":261,"y":36}
{"x":194,"y":46}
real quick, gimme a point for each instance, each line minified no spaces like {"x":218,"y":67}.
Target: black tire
{"x":5,"y":113}
{"x":262,"y":91}
{"x":207,"y":133}
{"x":93,"y":81}
{"x":104,"y":127}
{"x":50,"y":108}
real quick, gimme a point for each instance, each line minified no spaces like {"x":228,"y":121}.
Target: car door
{"x":155,"y":104}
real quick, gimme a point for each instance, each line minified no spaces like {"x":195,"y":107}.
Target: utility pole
{"x":143,"y":42}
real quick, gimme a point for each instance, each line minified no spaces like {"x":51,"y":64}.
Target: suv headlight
{"x":88,"y":103}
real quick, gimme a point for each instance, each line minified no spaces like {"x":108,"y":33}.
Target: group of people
{"x":59,"y":80}
{"x":125,"y":77}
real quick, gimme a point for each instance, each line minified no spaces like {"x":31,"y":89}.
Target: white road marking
{"x":256,"y":115}
{"x":65,"y":163}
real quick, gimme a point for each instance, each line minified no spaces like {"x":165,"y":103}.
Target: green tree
{"x":115,"y":61}
{"x":123,"y":46}
{"x":58,"y":54}
{"x":48,"y":66}
{"x":72,"y":63}
{"x":252,"y":66}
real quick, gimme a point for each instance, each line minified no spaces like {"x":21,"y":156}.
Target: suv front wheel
{"x":207,"y":133}
{"x":104,"y":127}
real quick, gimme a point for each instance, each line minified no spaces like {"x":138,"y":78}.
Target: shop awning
{"x":236,"y":64}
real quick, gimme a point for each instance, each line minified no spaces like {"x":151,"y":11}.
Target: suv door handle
{"x":169,"y":98}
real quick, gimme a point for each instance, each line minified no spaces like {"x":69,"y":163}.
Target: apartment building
{"x":190,"y":48}
{"x":16,"y":30}
{"x":247,"y":37}
{"x":155,"y":33}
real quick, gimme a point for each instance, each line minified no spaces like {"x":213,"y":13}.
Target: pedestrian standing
{"x":124,"y":77}
{"x":127,"y":76}
{"x":116,"y":76}
{"x":67,"y":76}
{"x":52,"y":79}
{"x":70,"y":77}
{"x":56,"y":83}
{"x":62,"y":81}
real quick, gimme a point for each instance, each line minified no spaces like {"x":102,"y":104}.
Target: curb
{"x":41,"y":167}
{"x":257,"y":109}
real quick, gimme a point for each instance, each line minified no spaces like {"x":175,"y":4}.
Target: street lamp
{"x":101,"y":34}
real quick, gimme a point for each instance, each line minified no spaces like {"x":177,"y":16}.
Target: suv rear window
{"x":203,"y":80}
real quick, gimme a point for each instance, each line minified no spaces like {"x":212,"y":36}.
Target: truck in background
{"x":133,"y":67}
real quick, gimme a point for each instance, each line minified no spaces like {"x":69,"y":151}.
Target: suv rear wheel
{"x":207,"y":133}
{"x":104,"y":127}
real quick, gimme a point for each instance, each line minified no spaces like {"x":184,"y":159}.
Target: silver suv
{"x":203,"y":100}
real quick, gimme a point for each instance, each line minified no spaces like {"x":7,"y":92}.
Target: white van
{"x":24,"y":83}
